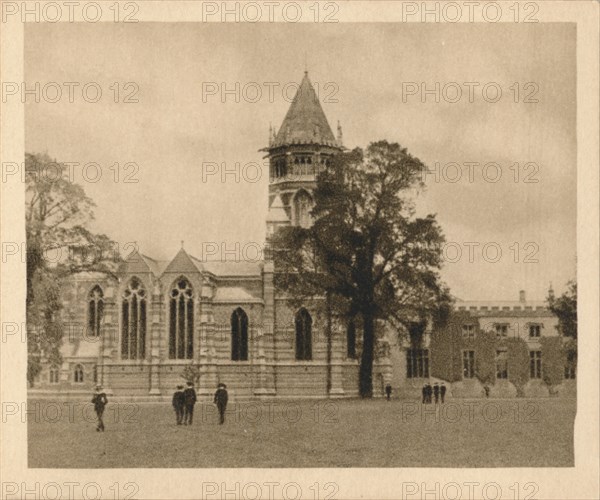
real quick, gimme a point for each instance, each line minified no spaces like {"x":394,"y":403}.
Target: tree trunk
{"x":329,"y":343}
{"x":366,"y":360}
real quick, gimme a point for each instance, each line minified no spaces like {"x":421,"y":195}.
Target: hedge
{"x":484,"y":345}
{"x":518,"y":363}
{"x":554,"y":359}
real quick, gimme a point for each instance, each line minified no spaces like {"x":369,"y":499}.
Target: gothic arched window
{"x":280,"y":168}
{"x":303,"y":335}
{"x":53,"y":374}
{"x":95,"y":311}
{"x":181,"y":321}
{"x":133,"y":321}
{"x":302,"y":207}
{"x":78,"y":374}
{"x":239,"y":335}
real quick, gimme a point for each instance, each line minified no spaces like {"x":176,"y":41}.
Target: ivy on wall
{"x":485,"y":345}
{"x":445,"y":348}
{"x":518,"y":363}
{"x":448,"y":343}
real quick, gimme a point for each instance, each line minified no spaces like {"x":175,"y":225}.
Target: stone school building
{"x":225,"y":322}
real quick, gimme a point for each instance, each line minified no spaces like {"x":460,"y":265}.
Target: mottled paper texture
{"x":299,"y":250}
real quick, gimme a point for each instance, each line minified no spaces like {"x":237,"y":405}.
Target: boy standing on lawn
{"x":220,"y":400}
{"x":178,"y":404}
{"x":99,"y":401}
{"x":189,"y":396}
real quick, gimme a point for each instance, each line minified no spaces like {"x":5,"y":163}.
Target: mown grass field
{"x":307,"y":433}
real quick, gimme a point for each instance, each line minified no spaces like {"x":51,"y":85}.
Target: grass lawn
{"x":307,"y":433}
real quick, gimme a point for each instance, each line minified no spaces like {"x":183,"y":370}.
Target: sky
{"x":370,"y":77}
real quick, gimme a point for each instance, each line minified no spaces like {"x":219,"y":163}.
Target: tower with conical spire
{"x":303,"y":145}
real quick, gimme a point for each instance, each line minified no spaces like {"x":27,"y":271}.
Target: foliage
{"x":570,"y":354}
{"x":565,"y":308}
{"x":191,"y":373}
{"x":518,"y":363}
{"x":484,"y":345}
{"x":57,"y":211}
{"x":553,"y":360}
{"x":366,"y":248}
{"x":445,"y":348}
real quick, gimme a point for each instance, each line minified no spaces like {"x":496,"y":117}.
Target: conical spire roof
{"x":305,"y":121}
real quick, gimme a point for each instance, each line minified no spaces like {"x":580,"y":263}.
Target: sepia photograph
{"x":297,"y":245}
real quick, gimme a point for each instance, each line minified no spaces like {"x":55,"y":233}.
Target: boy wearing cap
{"x":178,"y":404}
{"x":99,"y":401}
{"x":189,"y":397}
{"x":220,"y":400}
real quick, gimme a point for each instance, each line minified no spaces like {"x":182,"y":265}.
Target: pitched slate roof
{"x":235,"y":294}
{"x":136,"y":263}
{"x":232,"y":268}
{"x":305,"y":121}
{"x":183,"y":263}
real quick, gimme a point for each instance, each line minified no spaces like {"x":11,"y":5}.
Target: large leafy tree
{"x":367,"y":252}
{"x":57,"y":213}
{"x":565,"y":308}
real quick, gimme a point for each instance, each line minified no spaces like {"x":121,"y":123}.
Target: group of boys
{"x":437,"y":391}
{"x":185,"y":399}
{"x":183,"y":402}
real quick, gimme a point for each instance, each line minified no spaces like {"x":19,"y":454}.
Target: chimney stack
{"x":522,"y":296}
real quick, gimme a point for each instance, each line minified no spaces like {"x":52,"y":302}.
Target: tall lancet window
{"x":303,"y":335}
{"x":181,"y":321}
{"x":133,"y":321}
{"x":95,"y":311}
{"x":302,"y":206}
{"x":239,"y":335}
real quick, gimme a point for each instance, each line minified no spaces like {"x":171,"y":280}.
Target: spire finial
{"x":305,"y":64}
{"x":182,"y":244}
{"x":340,"y":136}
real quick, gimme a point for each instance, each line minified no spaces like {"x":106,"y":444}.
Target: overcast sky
{"x":170,"y":133}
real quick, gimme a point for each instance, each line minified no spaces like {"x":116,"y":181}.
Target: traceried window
{"x":303,"y":323}
{"x":239,"y":335}
{"x":78,"y":374}
{"x":351,"y":339}
{"x":133,"y":321}
{"x":417,"y":363}
{"x":468,"y":364}
{"x":95,"y":311}
{"x":501,"y":363}
{"x":535,"y":364}
{"x":53,"y":375}
{"x":302,"y":206}
{"x":535,"y":330}
{"x":181,"y":320}
{"x":468,"y":331}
